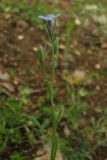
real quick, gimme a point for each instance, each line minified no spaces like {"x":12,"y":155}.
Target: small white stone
{"x":20,"y":37}
{"x":97,"y":66}
{"x":77,"y":21}
{"x":97,"y":88}
{"x":35,"y":49}
{"x":61,"y":47}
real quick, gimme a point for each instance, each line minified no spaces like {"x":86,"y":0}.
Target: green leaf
{"x":69,"y":28}
{"x":41,"y":57}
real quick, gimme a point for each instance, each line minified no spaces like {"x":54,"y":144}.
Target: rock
{"x":20,"y":37}
{"x":77,"y":22}
{"x":35,"y":49}
{"x":97,"y":66}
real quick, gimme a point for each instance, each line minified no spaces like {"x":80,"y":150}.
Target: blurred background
{"x":81,"y":81}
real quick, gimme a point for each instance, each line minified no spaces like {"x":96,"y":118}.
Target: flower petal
{"x":49,"y":17}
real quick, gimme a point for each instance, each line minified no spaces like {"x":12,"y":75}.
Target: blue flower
{"x":49,"y":25}
{"x":49,"y":17}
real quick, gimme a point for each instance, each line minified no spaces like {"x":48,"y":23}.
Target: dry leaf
{"x":45,"y":154}
{"x":7,"y":86}
{"x":4,"y":76}
{"x":104,"y":45}
{"x":75,"y":78}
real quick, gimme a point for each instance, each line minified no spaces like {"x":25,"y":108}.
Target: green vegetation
{"x":78,"y":120}
{"x":16,"y":125}
{"x":24,"y":10}
{"x":17,"y":156}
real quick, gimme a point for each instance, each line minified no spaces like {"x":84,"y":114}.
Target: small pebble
{"x":35,"y":49}
{"x":97,"y":66}
{"x":20,"y":37}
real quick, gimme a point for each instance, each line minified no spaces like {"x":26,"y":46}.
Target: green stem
{"x":54,"y":141}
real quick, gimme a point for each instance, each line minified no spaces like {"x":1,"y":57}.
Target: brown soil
{"x":18,"y":42}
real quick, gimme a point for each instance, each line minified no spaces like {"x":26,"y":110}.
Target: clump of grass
{"x":16,"y":125}
{"x":25,"y":11}
{"x":50,"y":79}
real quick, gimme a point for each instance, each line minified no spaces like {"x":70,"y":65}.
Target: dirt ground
{"x":18,"y":42}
